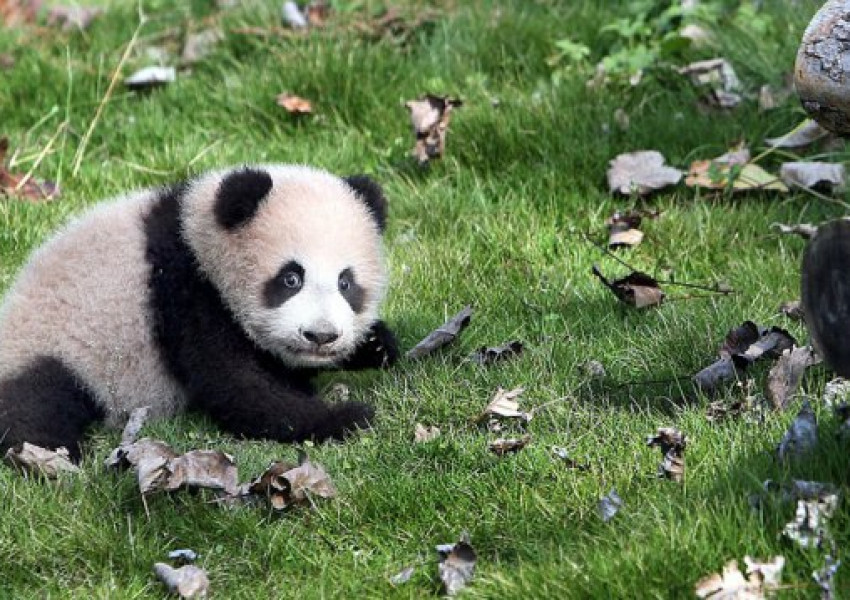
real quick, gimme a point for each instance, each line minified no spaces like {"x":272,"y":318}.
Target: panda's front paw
{"x":379,"y":349}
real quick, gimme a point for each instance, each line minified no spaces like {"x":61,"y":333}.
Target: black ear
{"x":239,"y":196}
{"x":372,"y":196}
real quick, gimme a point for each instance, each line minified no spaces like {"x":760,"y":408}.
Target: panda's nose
{"x":320,"y":338}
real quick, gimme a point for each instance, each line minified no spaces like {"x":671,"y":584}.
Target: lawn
{"x":501,"y":222}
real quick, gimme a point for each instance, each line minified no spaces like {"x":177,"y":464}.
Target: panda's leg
{"x":252,"y":400}
{"x":379,"y":348}
{"x":45,"y":405}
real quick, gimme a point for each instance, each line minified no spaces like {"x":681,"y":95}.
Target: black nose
{"x":320,"y":338}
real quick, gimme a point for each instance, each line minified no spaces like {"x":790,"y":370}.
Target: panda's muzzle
{"x":319,"y":337}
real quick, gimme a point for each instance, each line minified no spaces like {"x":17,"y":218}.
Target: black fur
{"x":379,"y":349}
{"x":355,"y":295}
{"x":246,"y":390}
{"x":240,"y":195}
{"x":276,"y":292}
{"x":45,"y":405}
{"x":372,"y":196}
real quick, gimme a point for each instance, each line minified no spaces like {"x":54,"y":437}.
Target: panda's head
{"x":296,"y":254}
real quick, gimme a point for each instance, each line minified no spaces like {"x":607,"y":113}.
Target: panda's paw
{"x":379,"y":349}
{"x":347,"y":417}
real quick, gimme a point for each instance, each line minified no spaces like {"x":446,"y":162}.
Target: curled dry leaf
{"x":623,"y":229}
{"x":814,"y":174}
{"x":770,"y":571}
{"x":294,"y":105}
{"x":137,"y":419}
{"x":609,"y":505}
{"x":37,"y":460}
{"x":211,"y":469}
{"x":490,"y":355}
{"x":443,"y":335}
{"x":801,"y":437}
{"x":714,"y":175}
{"x":672,"y":443}
{"x":716,"y":73}
{"x":430,"y":116}
{"x":198,"y":45}
{"x":732,"y":585}
{"x":504,"y":406}
{"x":187,"y":581}
{"x":151,"y":77}
{"x":425,"y":433}
{"x":801,"y":489}
{"x":809,"y":527}
{"x":784,"y":377}
{"x":504,"y":446}
{"x":73,"y":17}
{"x":640,"y":173}
{"x":793,"y":309}
{"x":457,"y":564}
{"x":285,"y":486}
{"x":804,"y":134}
{"x":635,"y":289}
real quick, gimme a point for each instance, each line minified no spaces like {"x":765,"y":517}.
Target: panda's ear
{"x":239,"y":196}
{"x":370,"y":193}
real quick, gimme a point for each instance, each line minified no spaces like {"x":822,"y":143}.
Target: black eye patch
{"x":283,"y":286}
{"x":351,"y":290}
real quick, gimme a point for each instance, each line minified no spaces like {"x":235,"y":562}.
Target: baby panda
{"x":224,"y":294}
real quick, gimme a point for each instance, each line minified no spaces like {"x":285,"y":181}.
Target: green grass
{"x":496,"y":224}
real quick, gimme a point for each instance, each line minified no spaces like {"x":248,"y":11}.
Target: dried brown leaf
{"x":732,"y":585}
{"x":317,"y":13}
{"x":504,"y":446}
{"x":784,"y":377}
{"x":14,"y":13}
{"x":635,"y":289}
{"x":623,"y":229}
{"x":443,"y":335}
{"x":491,"y":355}
{"x":188,"y":581}
{"x":641,"y":173}
{"x":672,"y":443}
{"x":457,"y":565}
{"x":424,"y":433}
{"x":814,"y":174}
{"x":210,"y":469}
{"x":805,"y":133}
{"x":294,"y":105}
{"x":716,"y":73}
{"x":37,"y":460}
{"x":714,"y":175}
{"x":285,"y":486}
{"x":430,"y":116}
{"x":504,"y":406}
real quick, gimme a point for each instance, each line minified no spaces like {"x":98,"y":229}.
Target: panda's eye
{"x":344,"y":282}
{"x":291,"y":279}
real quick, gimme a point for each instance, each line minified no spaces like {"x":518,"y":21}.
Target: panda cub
{"x":223,"y":294}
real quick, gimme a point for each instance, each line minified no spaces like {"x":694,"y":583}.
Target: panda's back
{"x":83,"y":299}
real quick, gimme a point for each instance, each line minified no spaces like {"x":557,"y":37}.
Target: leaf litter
{"x":423,"y":433}
{"x":784,"y":377}
{"x":640,"y":173}
{"x":504,"y":446}
{"x":672,"y":443}
{"x":609,"y":505}
{"x":763,"y":578}
{"x":807,"y":132}
{"x":430,"y":116}
{"x":624,"y":229}
{"x":294,"y":105}
{"x":457,"y":564}
{"x":37,"y":460}
{"x":504,"y":405}
{"x":814,"y":175}
{"x":490,"y":355}
{"x":187,"y":581}
{"x":801,"y":436}
{"x":443,"y":335}
{"x":635,"y":289}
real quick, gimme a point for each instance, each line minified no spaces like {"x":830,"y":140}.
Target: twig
{"x":41,"y":155}
{"x":81,"y":150}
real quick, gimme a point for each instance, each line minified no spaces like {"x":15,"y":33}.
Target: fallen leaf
{"x":826,"y":293}
{"x":801,"y":489}
{"x":137,"y":419}
{"x":824,"y":577}
{"x":569,"y":462}
{"x":443,"y":335}
{"x":457,"y":565}
{"x":317,"y":13}
{"x":623,"y":229}
{"x":801,"y":437}
{"x":37,"y":460}
{"x":504,"y":406}
{"x":425,"y":434}
{"x":293,"y":16}
{"x":813,"y":174}
{"x":198,"y":45}
{"x":151,"y":77}
{"x":188,"y":581}
{"x":717,"y":73}
{"x":609,"y":505}
{"x":737,"y":155}
{"x":402,"y":576}
{"x":635,"y":289}
{"x":770,"y":571}
{"x":183,"y":556}
{"x":73,"y":17}
{"x":430,"y":116}
{"x":640,"y":173}
{"x":285,"y":486}
{"x":398,"y":27}
{"x":14,"y":13}
{"x":294,"y":105}
{"x":504,"y":446}
{"x":672,"y":443}
{"x":717,"y":373}
{"x":770,"y":99}
{"x":784,"y":377}
{"x":804,"y":230}
{"x":771,"y":344}
{"x":836,"y":392}
{"x":793,"y":309}
{"x":804,"y":134}
{"x":809,"y":527}
{"x":732,"y":585}
{"x":738,"y":339}
{"x":717,"y":176}
{"x":719,"y":410}
{"x":211,"y":469}
{"x":490,"y":355}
